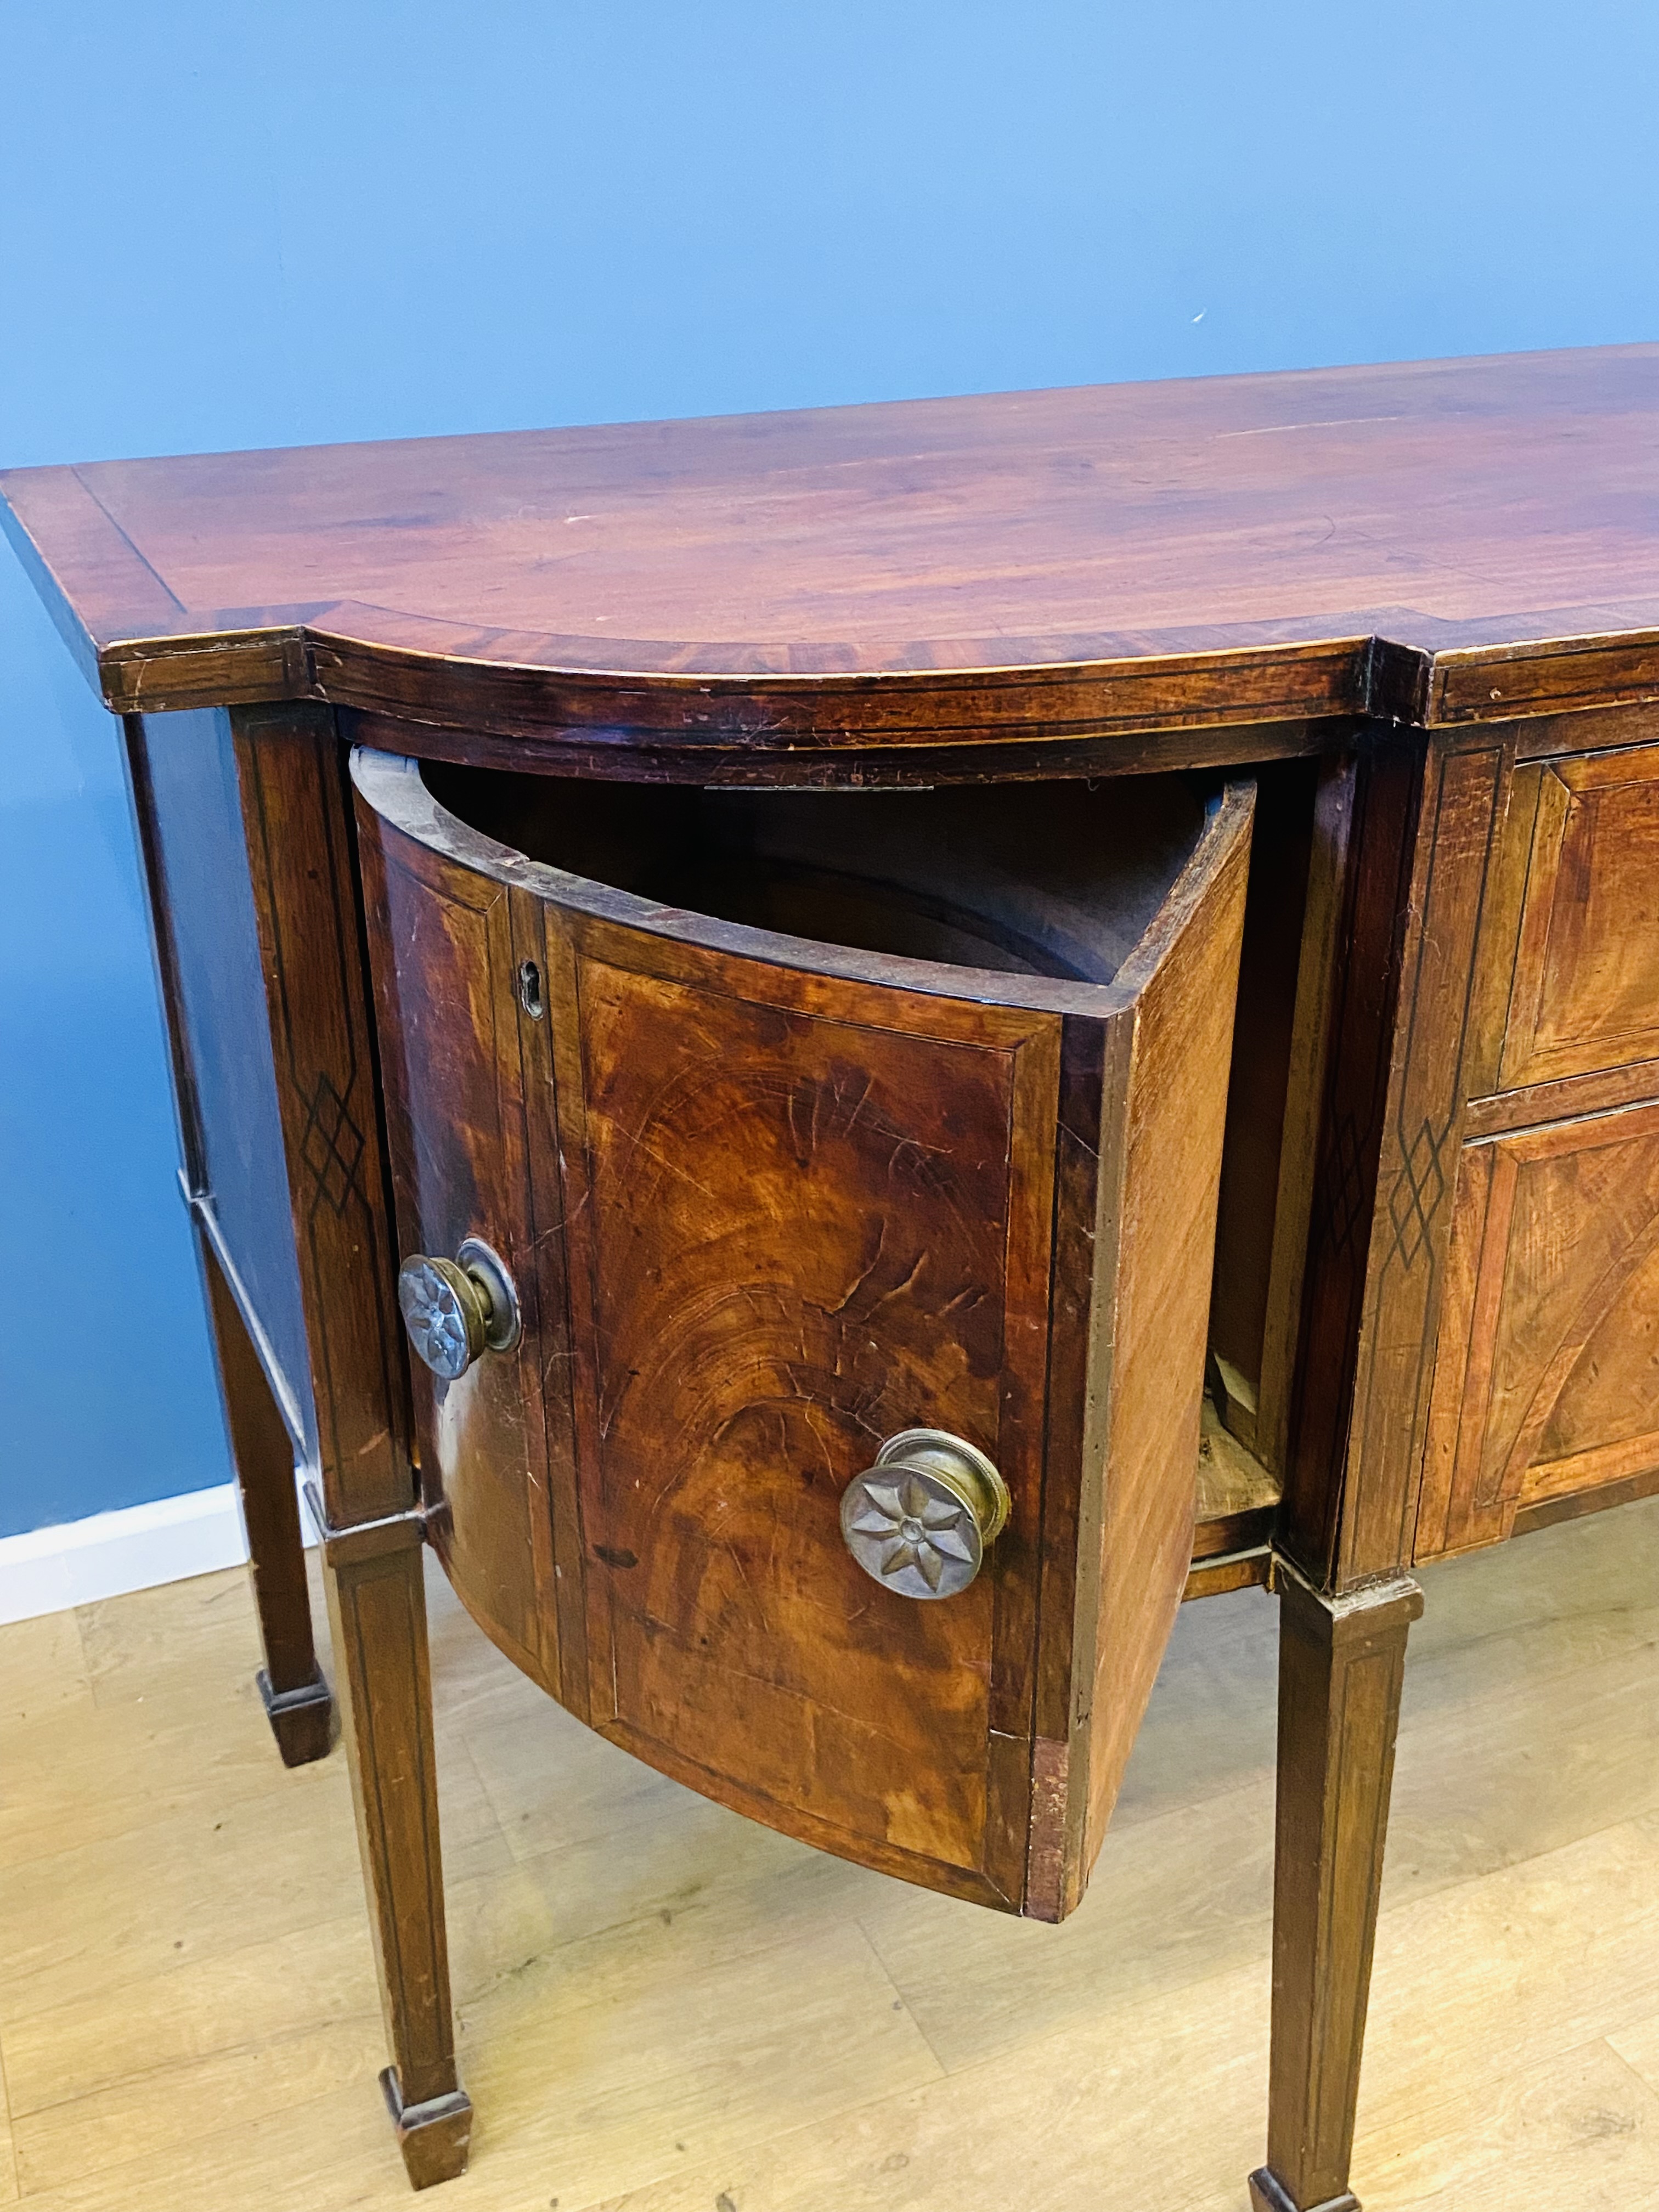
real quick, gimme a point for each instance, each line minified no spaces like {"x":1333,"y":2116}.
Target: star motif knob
{"x":920,"y":1520}
{"x":457,"y":1309}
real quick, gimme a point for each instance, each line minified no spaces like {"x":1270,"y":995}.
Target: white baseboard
{"x":107,"y":1554}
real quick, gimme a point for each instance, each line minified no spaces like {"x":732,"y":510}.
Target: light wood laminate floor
{"x":664,"y":2007}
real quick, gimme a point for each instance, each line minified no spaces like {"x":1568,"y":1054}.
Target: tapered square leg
{"x":1342,"y":1662}
{"x":377,"y":1605}
{"x":297,"y":1698}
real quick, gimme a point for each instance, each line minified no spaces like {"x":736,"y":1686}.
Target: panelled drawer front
{"x":1546,"y":1381}
{"x":774,"y":1202}
{"x":1585,"y":991}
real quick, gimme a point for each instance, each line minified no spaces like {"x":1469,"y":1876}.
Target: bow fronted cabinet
{"x":843,"y":1053}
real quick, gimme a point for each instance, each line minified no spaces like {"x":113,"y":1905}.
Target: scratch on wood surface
{"x":1073,"y":1137}
{"x":669,"y":1168}
{"x":862,"y":1101}
{"x":727,"y":1544}
{"x":909,"y":1284}
{"x":902,"y":1143}
{"x":859,"y":1281}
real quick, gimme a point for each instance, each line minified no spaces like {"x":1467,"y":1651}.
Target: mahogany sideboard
{"x":844,"y":1052}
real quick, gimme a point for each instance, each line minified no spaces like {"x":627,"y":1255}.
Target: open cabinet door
{"x":797,"y":1195}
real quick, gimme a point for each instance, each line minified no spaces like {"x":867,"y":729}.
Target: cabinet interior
{"x":1266,"y":1185}
{"x":1057,"y":879}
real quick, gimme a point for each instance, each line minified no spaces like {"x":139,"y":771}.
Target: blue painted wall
{"x":228,"y":226}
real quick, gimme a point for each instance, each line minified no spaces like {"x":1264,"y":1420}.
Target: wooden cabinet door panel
{"x":1585,"y":995}
{"x":1548,"y":1378}
{"x":811,"y":1218}
{"x":445,"y":1010}
{"x":803,"y":1197}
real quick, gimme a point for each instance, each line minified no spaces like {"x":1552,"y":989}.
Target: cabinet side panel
{"x":189,"y":806}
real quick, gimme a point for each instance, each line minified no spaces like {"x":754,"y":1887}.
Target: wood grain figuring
{"x":741,"y":1635}
{"x":1458,"y":539}
{"x":877,"y":1179}
{"x":1545,"y":1384}
{"x":811,"y":1193}
{"x":1585,"y":995}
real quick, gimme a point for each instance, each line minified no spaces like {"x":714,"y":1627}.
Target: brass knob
{"x":920,"y":1520}
{"x":455,"y":1310}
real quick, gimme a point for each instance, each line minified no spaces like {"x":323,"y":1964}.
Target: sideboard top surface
{"x":1441,"y":541}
